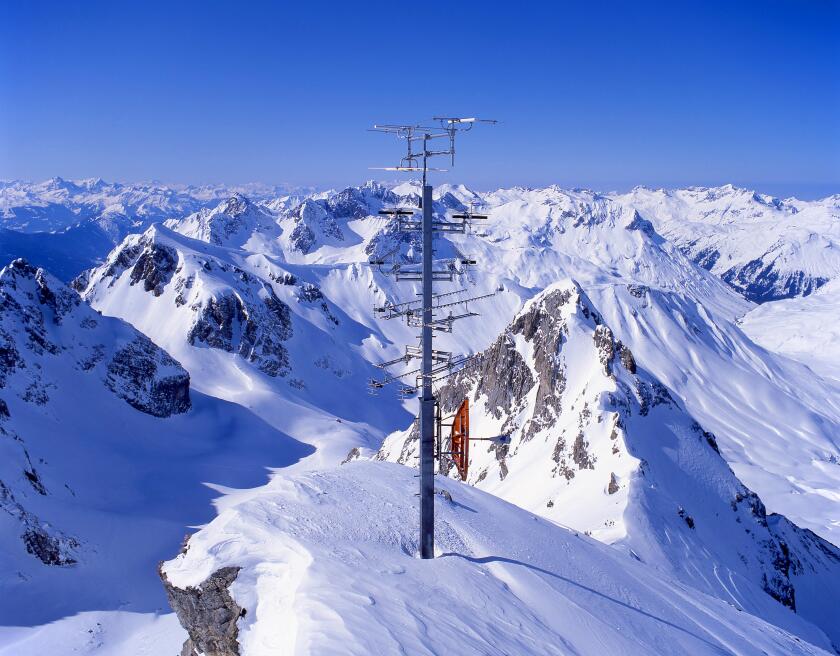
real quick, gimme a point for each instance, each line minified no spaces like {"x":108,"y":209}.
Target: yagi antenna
{"x":429,"y":313}
{"x":418,"y":138}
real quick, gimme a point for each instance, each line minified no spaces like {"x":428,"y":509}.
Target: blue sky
{"x":595,"y":94}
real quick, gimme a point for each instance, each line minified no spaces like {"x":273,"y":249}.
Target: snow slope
{"x":776,"y":424}
{"x":99,"y":433}
{"x":326,"y":565}
{"x":803,"y":328}
{"x":251,"y":330}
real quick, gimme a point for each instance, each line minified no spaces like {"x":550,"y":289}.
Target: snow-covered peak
{"x":600,"y":445}
{"x":232,"y":222}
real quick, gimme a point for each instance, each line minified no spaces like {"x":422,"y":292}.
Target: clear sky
{"x":592,"y":94}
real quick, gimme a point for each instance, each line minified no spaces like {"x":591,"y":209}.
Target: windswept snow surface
{"x":328,"y":567}
{"x":806,"y":329}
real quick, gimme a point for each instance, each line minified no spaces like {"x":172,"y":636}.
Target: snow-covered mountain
{"x":600,"y":445}
{"x":56,"y":204}
{"x":249,"y":329}
{"x":68,"y":226}
{"x":642,"y":412}
{"x":803,"y":328}
{"x":765,"y":247}
{"x":776,"y":423}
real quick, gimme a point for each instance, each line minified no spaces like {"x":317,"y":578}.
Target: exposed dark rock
{"x":254,"y":330}
{"x":149,"y":379}
{"x":580,"y":453}
{"x":627,"y":359}
{"x":9,"y":357}
{"x":760,"y":281}
{"x":125,"y":258}
{"x":353,"y":454}
{"x":612,"y":488}
{"x":605,"y":345}
{"x":35,"y":480}
{"x":689,"y":520}
{"x":639,"y":291}
{"x":49,"y":549}
{"x":314,"y":218}
{"x":155,"y":266}
{"x":652,"y":394}
{"x":4,"y":410}
{"x":60,"y":300}
{"x":302,"y":238}
{"x":80,"y":282}
{"x":706,"y":435}
{"x":309,"y":293}
{"x":46,"y":543}
{"x":208,"y":613}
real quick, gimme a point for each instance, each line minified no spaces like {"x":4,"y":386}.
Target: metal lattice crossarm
{"x":411,"y":309}
{"x":399,"y":211}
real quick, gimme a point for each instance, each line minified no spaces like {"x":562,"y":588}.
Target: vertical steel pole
{"x":427,"y":401}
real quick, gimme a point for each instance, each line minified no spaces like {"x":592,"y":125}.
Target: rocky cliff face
{"x":45,"y":327}
{"x":600,"y":445}
{"x":208,"y":613}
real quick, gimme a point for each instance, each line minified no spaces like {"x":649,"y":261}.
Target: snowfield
{"x":804,"y":328}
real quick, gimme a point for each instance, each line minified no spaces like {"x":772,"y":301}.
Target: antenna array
{"x":431,"y":312}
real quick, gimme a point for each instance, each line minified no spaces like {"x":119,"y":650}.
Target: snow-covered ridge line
{"x":334,"y":572}
{"x":764,"y":247}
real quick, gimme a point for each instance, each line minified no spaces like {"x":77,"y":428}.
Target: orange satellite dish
{"x":461,"y":439}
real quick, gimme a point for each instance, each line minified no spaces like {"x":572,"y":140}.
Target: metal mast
{"x":433,"y":363}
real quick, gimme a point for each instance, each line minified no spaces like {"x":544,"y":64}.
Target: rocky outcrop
{"x":760,"y":280}
{"x":44,"y":542}
{"x":588,"y":424}
{"x":254,"y":328}
{"x":231,"y":223}
{"x":152,"y":263}
{"x":149,"y":379}
{"x":313,"y":222}
{"x":154,"y":268}
{"x":208,"y":613}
